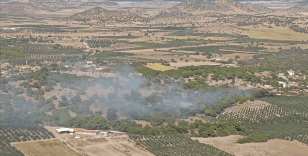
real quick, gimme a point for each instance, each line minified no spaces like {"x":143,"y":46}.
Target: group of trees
{"x":255,"y":137}
{"x":99,"y":43}
{"x":219,"y":73}
{"x":13,"y":53}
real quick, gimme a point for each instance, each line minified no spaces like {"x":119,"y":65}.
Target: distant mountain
{"x":101,"y":14}
{"x":299,"y":8}
{"x":173,"y":14}
{"x":19,"y":8}
{"x":218,"y":6}
{"x":137,"y":11}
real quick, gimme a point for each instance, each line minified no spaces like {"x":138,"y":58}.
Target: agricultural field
{"x":47,"y":148}
{"x":276,"y":33}
{"x":169,"y":145}
{"x":195,"y":78}
{"x":283,"y":117}
{"x":270,"y":148}
{"x":12,"y":133}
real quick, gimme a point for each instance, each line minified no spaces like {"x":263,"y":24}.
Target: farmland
{"x":176,"y":145}
{"x":176,"y":78}
{"x":275,"y":34}
{"x":20,"y":133}
{"x":283,"y":118}
{"x":48,"y":148}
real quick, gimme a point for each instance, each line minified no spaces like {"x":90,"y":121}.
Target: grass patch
{"x":158,"y":66}
{"x":275,"y":33}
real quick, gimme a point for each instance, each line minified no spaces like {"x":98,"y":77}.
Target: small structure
{"x":104,"y":133}
{"x":89,"y":132}
{"x":291,"y":73}
{"x":268,"y":87}
{"x":89,"y":62}
{"x":98,"y":69}
{"x":77,"y":137}
{"x":293,"y":83}
{"x":116,"y":132}
{"x":284,"y":85}
{"x":65,"y":130}
{"x":278,"y":115}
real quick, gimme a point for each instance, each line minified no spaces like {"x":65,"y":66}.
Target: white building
{"x":116,"y":132}
{"x":291,"y":73}
{"x":104,"y":133}
{"x":284,"y":85}
{"x":88,"y":132}
{"x":65,"y":130}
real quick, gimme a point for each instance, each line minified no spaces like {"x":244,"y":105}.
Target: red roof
{"x":85,"y":131}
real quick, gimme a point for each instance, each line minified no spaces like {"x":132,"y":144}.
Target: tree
{"x":158,"y":118}
{"x":252,"y":98}
{"x":182,"y":127}
{"x":237,"y":57}
{"x":112,"y":114}
{"x":209,"y":56}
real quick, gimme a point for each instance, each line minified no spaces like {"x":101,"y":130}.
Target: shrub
{"x":255,"y":137}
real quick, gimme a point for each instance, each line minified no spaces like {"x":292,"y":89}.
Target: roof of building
{"x":86,"y":131}
{"x":115,"y":132}
{"x":65,"y":130}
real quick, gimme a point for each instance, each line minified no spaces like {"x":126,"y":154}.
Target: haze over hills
{"x":299,"y":8}
{"x":219,"y":6}
{"x":27,"y":8}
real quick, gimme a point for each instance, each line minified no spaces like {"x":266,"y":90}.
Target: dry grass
{"x":45,"y":148}
{"x":276,"y":33}
{"x":273,"y":147}
{"x":159,"y":67}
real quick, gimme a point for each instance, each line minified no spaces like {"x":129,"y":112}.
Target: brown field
{"x":114,"y":147}
{"x":273,"y":147}
{"x":45,"y":148}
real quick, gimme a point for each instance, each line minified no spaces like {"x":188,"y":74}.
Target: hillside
{"x":19,"y":8}
{"x":101,"y":14}
{"x":223,"y":6}
{"x":299,"y":8}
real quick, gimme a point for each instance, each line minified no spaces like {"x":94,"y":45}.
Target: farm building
{"x":116,"y":132}
{"x":89,"y":132}
{"x":104,"y":133}
{"x":65,"y":130}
